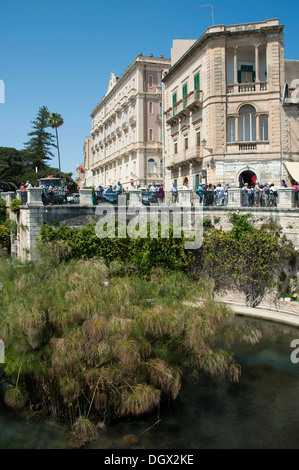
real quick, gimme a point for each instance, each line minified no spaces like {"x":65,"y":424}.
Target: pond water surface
{"x":260,"y":411}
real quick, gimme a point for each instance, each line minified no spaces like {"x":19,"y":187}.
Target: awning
{"x":293,"y":169}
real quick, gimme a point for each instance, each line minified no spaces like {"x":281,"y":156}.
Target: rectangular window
{"x":198,"y":138}
{"x":246,"y":74}
{"x":175,"y":147}
{"x":186,"y":142}
{"x":231,"y":129}
{"x":174,"y":102}
{"x":196,"y":82}
{"x":264,"y":127}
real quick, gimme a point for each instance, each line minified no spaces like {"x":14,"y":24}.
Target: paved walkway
{"x":286,"y":312}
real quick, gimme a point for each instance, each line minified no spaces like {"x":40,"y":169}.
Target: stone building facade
{"x":127,"y":127}
{"x":223,"y":100}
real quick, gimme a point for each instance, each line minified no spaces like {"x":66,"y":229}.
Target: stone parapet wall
{"x":30,"y":219}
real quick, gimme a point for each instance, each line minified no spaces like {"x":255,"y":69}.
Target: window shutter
{"x":196,"y":82}
{"x":194,"y":182}
{"x":174,"y":101}
{"x":239,"y":76}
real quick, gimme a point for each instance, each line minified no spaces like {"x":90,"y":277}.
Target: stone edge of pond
{"x":288,"y":318}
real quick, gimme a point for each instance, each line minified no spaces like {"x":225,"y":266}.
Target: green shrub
{"x":3,"y":211}
{"x":4,"y":237}
{"x":15,"y":205}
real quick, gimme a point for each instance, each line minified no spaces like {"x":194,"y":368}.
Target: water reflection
{"x":260,"y":411}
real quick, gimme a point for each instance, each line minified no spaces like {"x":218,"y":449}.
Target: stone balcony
{"x":190,"y":104}
{"x":244,"y":147}
{"x":185,"y":157}
{"x":254,"y":87}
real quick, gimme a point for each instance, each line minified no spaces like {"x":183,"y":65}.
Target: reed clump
{"x":86,"y":350}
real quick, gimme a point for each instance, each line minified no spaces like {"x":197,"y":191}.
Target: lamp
{"x":204,"y":144}
{"x":212,"y":161}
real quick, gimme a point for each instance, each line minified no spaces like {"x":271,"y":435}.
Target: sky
{"x":60,"y":54}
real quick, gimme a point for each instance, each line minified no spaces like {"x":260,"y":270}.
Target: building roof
{"x":119,"y":81}
{"x":223,"y":30}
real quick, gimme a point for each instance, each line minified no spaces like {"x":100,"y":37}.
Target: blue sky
{"x":60,"y":53}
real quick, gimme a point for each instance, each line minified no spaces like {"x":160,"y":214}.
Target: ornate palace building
{"x":126,"y":134}
{"x":229,"y":114}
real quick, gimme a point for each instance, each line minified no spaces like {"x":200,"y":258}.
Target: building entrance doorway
{"x":247,"y":176}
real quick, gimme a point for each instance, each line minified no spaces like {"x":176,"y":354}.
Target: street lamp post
{"x":210,"y":150}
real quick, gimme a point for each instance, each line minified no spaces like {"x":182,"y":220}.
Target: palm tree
{"x":5,"y":180}
{"x":55,"y":121}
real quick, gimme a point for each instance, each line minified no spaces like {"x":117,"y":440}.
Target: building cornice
{"x":140,"y":60}
{"x":224,"y":32}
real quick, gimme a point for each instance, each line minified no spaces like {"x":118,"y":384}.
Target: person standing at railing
{"x":220,"y":194}
{"x":200,"y":192}
{"x":245,"y":192}
{"x":257,"y":195}
{"x":265,"y":195}
{"x":273,"y":195}
{"x":226,"y":188}
{"x":174,"y":192}
{"x":210,"y":195}
{"x":160,"y":194}
{"x":154,"y":191}
{"x":51,"y":192}
{"x":99,"y":190}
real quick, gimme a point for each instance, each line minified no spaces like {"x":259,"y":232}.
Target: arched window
{"x":151,"y":165}
{"x":247,"y":124}
{"x":150,"y":81}
{"x":151,"y":135}
{"x":264,"y":135}
{"x":150,"y":107}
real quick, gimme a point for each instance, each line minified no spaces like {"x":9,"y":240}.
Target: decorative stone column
{"x":257,"y":65}
{"x":34,"y":197}
{"x":234,"y":197}
{"x":235,"y":66}
{"x":184,"y":197}
{"x":135,"y":197}
{"x":86,"y":197}
{"x":8,"y":197}
{"x":286,"y":198}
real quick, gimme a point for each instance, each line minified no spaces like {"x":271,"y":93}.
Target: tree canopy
{"x":41,"y":142}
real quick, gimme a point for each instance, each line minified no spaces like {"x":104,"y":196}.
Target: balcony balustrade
{"x":247,"y":88}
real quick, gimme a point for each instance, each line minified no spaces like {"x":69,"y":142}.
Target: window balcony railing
{"x":186,"y":156}
{"x":191,"y":103}
{"x":131,"y":94}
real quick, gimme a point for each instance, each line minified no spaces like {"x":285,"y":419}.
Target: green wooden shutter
{"x":174,"y":101}
{"x":185,"y":92}
{"x":195,"y":182}
{"x":196,"y":82}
